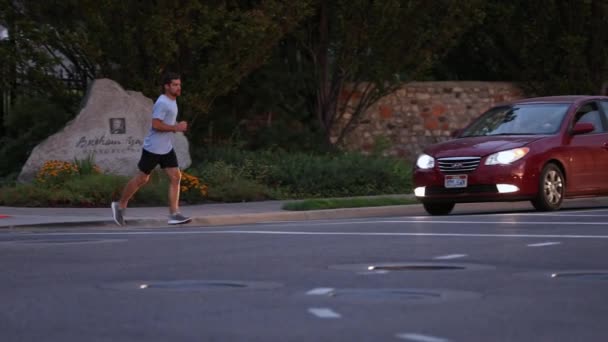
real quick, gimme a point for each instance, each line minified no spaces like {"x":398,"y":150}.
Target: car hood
{"x":478,"y":146}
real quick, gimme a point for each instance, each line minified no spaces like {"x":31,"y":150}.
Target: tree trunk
{"x":323,"y":72}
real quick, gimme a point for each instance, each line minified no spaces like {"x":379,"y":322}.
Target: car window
{"x":520,"y":119}
{"x":605,"y":107}
{"x":589,"y":113}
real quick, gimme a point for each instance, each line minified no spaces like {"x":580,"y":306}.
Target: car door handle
{"x":605,"y":146}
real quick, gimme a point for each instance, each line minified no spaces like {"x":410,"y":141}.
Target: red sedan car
{"x":540,"y":149}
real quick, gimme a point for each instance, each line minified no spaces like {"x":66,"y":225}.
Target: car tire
{"x":438,"y":208}
{"x":551,"y":189}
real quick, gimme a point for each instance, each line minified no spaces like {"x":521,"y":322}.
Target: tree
{"x":551,"y":47}
{"x":362,"y":50}
{"x":213,"y":43}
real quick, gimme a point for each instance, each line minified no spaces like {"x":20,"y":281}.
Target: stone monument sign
{"x":110,"y":128}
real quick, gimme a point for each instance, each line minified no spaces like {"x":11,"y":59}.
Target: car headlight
{"x":507,"y":157}
{"x":425,"y":161}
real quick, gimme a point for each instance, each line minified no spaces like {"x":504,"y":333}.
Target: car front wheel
{"x":551,"y":189}
{"x":438,"y":208}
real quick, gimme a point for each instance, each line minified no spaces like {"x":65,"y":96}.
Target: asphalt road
{"x":507,"y":276}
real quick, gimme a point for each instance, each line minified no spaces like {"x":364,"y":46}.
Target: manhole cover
{"x":400,"y":295}
{"x":582,"y":275}
{"x":189,"y":285}
{"x":408,"y":266}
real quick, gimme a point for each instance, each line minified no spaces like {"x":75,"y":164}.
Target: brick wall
{"x":423,"y":113}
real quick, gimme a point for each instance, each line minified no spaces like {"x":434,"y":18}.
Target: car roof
{"x":560,"y":99}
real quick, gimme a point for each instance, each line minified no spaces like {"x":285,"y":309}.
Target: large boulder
{"x":110,"y":128}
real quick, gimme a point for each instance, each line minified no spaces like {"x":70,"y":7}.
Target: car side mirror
{"x":582,"y":128}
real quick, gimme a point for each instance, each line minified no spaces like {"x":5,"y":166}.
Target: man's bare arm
{"x":160,"y":126}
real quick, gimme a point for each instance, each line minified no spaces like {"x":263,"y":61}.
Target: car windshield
{"x":521,"y":119}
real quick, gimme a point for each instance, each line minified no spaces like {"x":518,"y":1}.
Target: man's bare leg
{"x":175,"y":176}
{"x":175,"y":217}
{"x":139,"y":180}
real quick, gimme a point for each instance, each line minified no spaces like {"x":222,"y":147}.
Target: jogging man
{"x":158,"y":150}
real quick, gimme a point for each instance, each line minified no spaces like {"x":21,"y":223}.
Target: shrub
{"x":241,"y":176}
{"x":56,"y":172}
{"x":230,"y":183}
{"x":33,"y":118}
{"x":94,"y":190}
{"x":239,"y":190}
{"x":31,"y":195}
{"x":87,"y":166}
{"x":347,"y":174}
{"x":301,"y":175}
{"x":191,"y":188}
{"x":9,"y":180}
{"x":154,"y":193}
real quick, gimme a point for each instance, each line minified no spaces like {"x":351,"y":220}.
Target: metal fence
{"x":73,"y":84}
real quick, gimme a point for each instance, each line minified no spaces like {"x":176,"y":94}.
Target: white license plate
{"x":455,"y":181}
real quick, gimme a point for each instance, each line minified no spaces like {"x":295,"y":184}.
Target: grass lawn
{"x":335,"y":203}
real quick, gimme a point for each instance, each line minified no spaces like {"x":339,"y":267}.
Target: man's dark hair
{"x":167,"y":79}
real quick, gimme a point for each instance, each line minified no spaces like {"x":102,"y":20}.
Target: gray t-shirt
{"x":165,"y":109}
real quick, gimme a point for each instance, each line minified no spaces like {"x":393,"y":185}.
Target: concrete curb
{"x":237,"y":219}
{"x":396,"y":210}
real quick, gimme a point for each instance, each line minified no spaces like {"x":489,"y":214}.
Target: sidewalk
{"x":205,"y":214}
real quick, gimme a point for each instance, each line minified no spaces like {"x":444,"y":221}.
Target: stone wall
{"x":423,"y":113}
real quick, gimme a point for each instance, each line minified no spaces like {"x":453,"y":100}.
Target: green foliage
{"x":550,"y":47}
{"x":381,"y":144}
{"x":270,"y":107}
{"x":242,"y":41}
{"x":90,"y":190}
{"x":87,"y":166}
{"x":273,"y":73}
{"x":339,"y":175}
{"x":361,"y":51}
{"x":192,"y":190}
{"x":214,"y":44}
{"x":28,"y":195}
{"x":31,"y":120}
{"x":154,"y":193}
{"x":300,"y":175}
{"x":93,"y":190}
{"x":54,"y":173}
{"x":9,"y":180}
{"x":231,"y":183}
{"x":231,"y":175}
{"x":79,"y":191}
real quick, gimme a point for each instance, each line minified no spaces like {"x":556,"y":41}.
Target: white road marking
{"x":581,"y":215}
{"x":542,"y":236}
{"x":324,"y":313}
{"x":543,"y":244}
{"x":275,"y":232}
{"x":320,"y":291}
{"x":548,"y":223}
{"x":373,"y":272}
{"x":510,"y":222}
{"x":421,"y":338}
{"x":450,"y":256}
{"x":577,"y":211}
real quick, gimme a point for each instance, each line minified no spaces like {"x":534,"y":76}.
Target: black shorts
{"x":149,"y":160}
